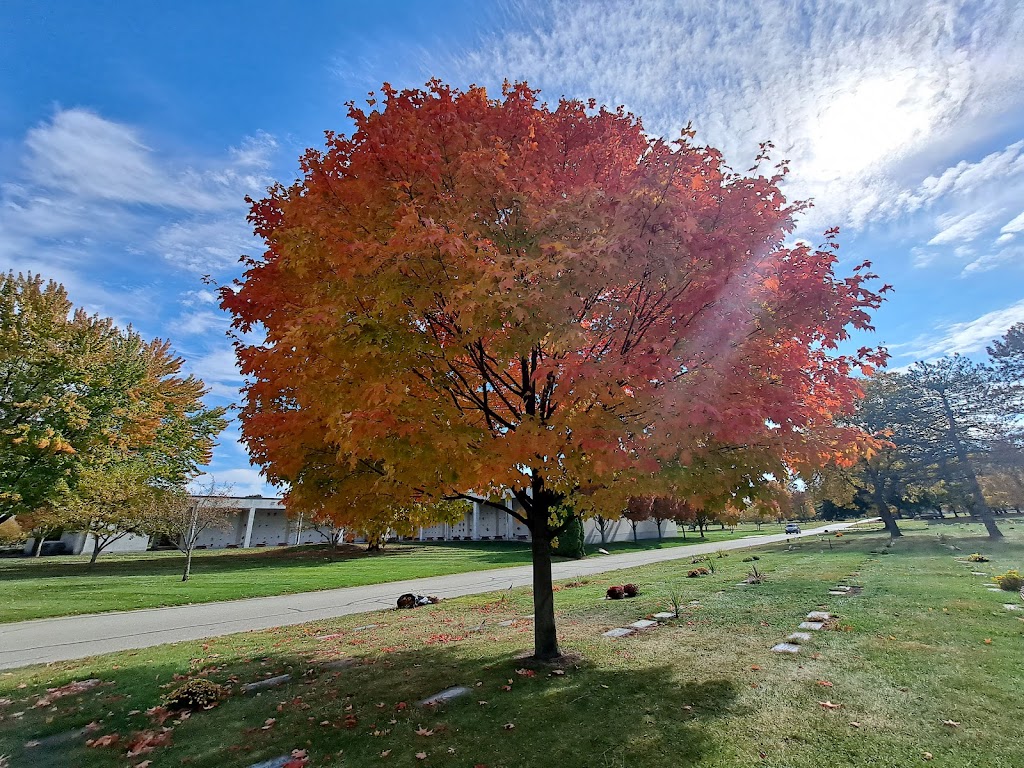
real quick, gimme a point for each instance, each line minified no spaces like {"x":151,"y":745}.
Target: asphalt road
{"x":74,"y":637}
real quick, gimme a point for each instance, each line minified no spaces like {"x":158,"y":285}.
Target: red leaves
{"x":143,"y":742}
{"x":468,"y":286}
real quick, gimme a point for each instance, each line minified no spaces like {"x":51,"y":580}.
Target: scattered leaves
{"x":421,"y":731}
{"x":829,"y":705}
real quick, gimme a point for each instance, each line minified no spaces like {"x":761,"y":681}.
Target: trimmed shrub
{"x":1011,"y":581}
{"x":195,"y":694}
{"x":631,"y":590}
{"x":570,"y":541}
{"x":977,"y":558}
{"x":615,"y":593}
{"x":696,"y":573}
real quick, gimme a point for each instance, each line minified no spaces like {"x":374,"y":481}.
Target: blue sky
{"x":130,"y":133}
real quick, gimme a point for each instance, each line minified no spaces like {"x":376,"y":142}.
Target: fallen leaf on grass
{"x":988,"y":641}
{"x":298,"y":760}
{"x":482,"y":703}
{"x":421,"y":731}
{"x":146,"y":741}
{"x":558,"y":672}
{"x":951,"y":723}
{"x":421,"y":755}
{"x":268,"y":723}
{"x":755,"y":667}
{"x":509,"y":726}
{"x":825,"y":683}
{"x":143,"y":764}
{"x":351,"y":721}
{"x":927,"y":755}
{"x":401,"y":705}
{"x":506,"y":687}
{"x":451,"y":750}
{"x":829,"y":705}
{"x":525,"y":673}
{"x":104,"y":741}
{"x":385,"y":753}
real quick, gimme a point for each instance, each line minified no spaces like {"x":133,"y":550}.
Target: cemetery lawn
{"x":921,"y":668}
{"x":37,"y":588}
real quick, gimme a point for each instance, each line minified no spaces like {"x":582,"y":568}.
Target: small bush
{"x":1011,"y":581}
{"x":754,"y":576}
{"x":615,"y":593}
{"x":696,"y":573}
{"x":977,"y":557}
{"x":700,"y":559}
{"x":195,"y":694}
{"x":751,"y":559}
{"x":631,"y":590}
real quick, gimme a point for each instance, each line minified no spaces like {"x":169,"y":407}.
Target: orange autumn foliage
{"x":498,"y":294}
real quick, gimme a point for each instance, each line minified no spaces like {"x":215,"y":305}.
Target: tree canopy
{"x":501,"y":294}
{"x":80,"y":396}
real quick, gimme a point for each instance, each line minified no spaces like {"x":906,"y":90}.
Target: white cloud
{"x":963,"y":227}
{"x":967,"y":337}
{"x":242,"y":481}
{"x":1013,"y":255}
{"x":856,"y":95}
{"x":88,"y":157}
{"x":93,"y":184}
{"x":1013,"y":226}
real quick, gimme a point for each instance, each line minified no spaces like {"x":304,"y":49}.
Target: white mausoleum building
{"x":263,"y":522}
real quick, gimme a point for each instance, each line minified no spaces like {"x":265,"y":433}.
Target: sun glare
{"x":870,"y":120}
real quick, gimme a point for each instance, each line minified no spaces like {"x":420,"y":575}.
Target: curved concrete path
{"x":74,"y":637}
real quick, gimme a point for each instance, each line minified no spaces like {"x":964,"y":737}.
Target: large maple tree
{"x":475,"y":296}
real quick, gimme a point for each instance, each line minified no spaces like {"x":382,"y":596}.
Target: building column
{"x":476,"y":520}
{"x":509,"y":521}
{"x":248,"y":527}
{"x":421,"y":533}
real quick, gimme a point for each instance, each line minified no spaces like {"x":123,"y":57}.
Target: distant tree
{"x":39,"y":524}
{"x":663,"y":510}
{"x":544,"y":300}
{"x":963,"y":408}
{"x":111,"y":502}
{"x":11,"y":533}
{"x":602,"y":523}
{"x":1007,"y":355}
{"x":76,"y":392}
{"x":184,"y":517}
{"x":638,"y":509}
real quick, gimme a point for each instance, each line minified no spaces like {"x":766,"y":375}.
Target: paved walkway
{"x":73,"y":637}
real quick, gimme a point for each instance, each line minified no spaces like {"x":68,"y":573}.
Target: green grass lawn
{"x":924,"y":662}
{"x":35,"y":588}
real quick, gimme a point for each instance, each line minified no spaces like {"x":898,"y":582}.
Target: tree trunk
{"x":39,"y":545}
{"x":886,"y":514}
{"x":188,"y":565}
{"x":980,"y":507}
{"x":545,"y":638}
{"x":95,"y":549}
{"x":659,"y":523}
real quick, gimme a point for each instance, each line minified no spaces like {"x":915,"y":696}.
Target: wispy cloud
{"x":966,"y":337}
{"x":859,"y":96}
{"x":94,"y":185}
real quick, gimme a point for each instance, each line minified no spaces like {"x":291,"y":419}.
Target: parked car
{"x":792,"y":528}
{"x":929,"y":514}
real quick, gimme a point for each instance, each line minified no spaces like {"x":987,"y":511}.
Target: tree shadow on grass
{"x":587,"y":716}
{"x":210,"y":562}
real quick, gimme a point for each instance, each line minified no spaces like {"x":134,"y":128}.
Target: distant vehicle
{"x":929,"y":514}
{"x":792,"y":528}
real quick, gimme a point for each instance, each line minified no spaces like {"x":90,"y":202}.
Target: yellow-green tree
{"x":80,"y":398}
